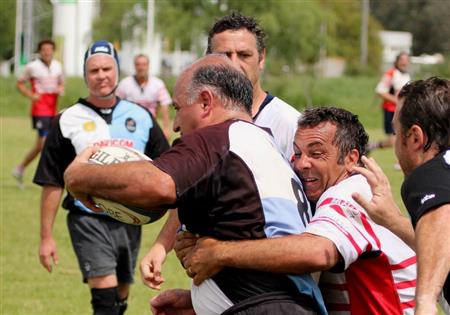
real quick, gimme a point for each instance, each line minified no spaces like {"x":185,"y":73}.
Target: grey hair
{"x":231,"y":86}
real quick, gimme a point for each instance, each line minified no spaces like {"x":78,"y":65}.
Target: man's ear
{"x":416,"y":137}
{"x":262,"y":59}
{"x":207,"y":99}
{"x":351,"y":159}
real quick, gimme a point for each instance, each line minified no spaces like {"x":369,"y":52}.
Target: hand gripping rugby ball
{"x":126,"y":214}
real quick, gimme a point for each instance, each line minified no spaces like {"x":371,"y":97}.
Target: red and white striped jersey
{"x":45,"y":80}
{"x":378,"y":270}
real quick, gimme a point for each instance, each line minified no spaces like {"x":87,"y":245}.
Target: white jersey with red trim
{"x":44,"y":79}
{"x":377,"y":274}
{"x":150,"y":95}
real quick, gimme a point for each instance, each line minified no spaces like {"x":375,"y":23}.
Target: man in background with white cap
{"x":106,"y":249}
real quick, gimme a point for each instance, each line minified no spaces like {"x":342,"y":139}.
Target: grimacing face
{"x":241,"y":48}
{"x":316,"y":159}
{"x":101,"y":75}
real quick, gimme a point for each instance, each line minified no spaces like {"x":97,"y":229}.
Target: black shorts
{"x":103,"y":246}
{"x":42,"y":124}
{"x":388,"y":116}
{"x":273,"y":303}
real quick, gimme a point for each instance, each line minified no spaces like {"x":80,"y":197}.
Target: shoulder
{"x":126,"y":80}
{"x":344,"y":189}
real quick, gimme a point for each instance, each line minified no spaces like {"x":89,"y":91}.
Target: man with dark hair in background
{"x":422,"y":124}
{"x":47,"y":83}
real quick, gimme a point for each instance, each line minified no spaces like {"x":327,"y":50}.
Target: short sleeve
{"x":427,"y":187}
{"x":56,"y":156}
{"x":164,"y":98}
{"x":190,"y":160}
{"x":384,"y":85}
{"x":348,"y":234}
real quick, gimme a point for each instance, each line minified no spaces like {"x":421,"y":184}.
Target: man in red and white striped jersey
{"x":369,"y":269}
{"x":47,"y":83}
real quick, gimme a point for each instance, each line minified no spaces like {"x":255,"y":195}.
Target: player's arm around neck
{"x":139,"y":184}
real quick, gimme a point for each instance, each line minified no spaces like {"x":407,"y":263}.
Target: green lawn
{"x":26,"y":288}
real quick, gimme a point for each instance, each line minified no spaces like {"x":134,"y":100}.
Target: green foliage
{"x":428,"y":21}
{"x":7,"y":25}
{"x":344,"y":33}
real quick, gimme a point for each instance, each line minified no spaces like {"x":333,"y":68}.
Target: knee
{"x":105,"y":301}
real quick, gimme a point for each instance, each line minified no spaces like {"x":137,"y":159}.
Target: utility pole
{"x":364,"y":32}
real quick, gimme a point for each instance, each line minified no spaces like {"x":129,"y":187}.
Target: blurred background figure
{"x":148,"y":91}
{"x":388,"y":87}
{"x":47,"y":82}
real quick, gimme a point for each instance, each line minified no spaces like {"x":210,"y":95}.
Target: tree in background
{"x":427,"y":20}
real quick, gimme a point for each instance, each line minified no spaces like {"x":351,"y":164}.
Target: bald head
{"x":217,"y":73}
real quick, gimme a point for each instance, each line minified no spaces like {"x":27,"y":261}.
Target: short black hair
{"x":231,"y":85}
{"x":426,"y":103}
{"x":46,"y":42}
{"x":237,"y":21}
{"x":350,"y":133}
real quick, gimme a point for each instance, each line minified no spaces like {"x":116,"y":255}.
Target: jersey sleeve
{"x":348,"y":233}
{"x":164,"y":98}
{"x":157,"y":143}
{"x":427,"y":187}
{"x":384,"y":86}
{"x":57,"y":154}
{"x":188,"y":161}
{"x":26,"y":74}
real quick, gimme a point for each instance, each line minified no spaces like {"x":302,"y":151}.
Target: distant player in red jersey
{"x":47,"y":83}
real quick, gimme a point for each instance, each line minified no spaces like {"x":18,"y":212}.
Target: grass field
{"x":25,"y":287}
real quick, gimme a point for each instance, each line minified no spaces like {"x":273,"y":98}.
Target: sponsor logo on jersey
{"x":426,"y":198}
{"x":115,"y":142}
{"x":130,"y":124}
{"x":89,"y":126}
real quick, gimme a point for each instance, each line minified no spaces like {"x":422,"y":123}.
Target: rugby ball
{"x":126,"y":214}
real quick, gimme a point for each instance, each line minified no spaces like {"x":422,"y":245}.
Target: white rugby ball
{"x":126,"y":214}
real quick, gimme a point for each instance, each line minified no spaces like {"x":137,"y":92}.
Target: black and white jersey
{"x":82,"y":125}
{"x":427,"y":188}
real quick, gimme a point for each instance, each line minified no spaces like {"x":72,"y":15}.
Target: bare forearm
{"x":168,"y":232}
{"x":24,"y":90}
{"x":291,"y":254}
{"x":433,"y":254}
{"x":50,"y":198}
{"x":389,"y":97}
{"x":133,"y":183}
{"x":403,"y":228}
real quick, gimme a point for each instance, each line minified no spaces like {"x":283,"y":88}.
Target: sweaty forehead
{"x":322,"y":133}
